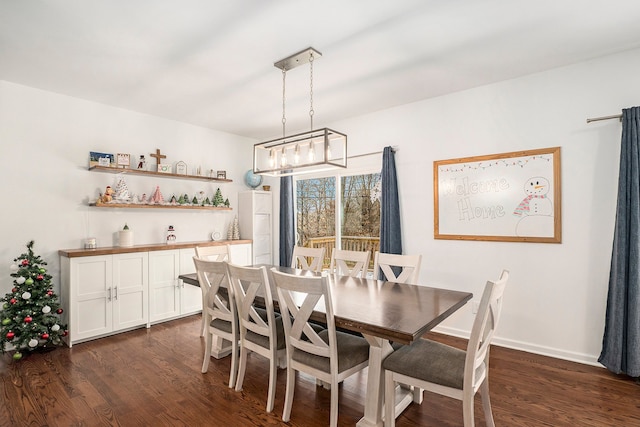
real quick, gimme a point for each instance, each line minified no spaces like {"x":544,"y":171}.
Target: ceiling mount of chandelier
{"x":312,"y":151}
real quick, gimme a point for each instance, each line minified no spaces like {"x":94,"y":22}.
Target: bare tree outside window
{"x":359,"y":218}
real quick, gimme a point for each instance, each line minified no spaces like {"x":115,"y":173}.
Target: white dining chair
{"x":330,"y":356}
{"x":261,"y":330}
{"x":211,"y":253}
{"x":407,"y":267}
{"x":307,"y":258}
{"x":218,"y":310}
{"x":214,"y":253}
{"x":349,"y":263}
{"x":447,"y":370}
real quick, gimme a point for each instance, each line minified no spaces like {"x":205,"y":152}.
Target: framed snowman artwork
{"x":510,"y":197}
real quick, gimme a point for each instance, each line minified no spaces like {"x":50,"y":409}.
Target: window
{"x":357,"y":200}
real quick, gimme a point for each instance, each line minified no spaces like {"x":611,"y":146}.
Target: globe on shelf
{"x":252,"y":180}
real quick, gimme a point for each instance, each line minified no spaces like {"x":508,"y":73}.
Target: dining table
{"x":383,"y":312}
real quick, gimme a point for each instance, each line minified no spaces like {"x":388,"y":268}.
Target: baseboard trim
{"x":585,"y":359}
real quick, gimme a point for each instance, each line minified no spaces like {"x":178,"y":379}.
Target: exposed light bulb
{"x":272,"y":158}
{"x":312,"y":152}
{"x":283,"y":157}
{"x":296,"y":155}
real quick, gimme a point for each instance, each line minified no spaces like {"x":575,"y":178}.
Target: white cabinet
{"x":240,"y":254}
{"x":114,"y":290}
{"x":104,"y":294}
{"x":190,"y":296}
{"x":169,"y":297}
{"x":255,"y":218}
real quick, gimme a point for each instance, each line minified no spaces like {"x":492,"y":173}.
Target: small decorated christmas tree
{"x":218,"y":200}
{"x":30,"y":312}
{"x":157,"y":197}
{"x":122,"y":190}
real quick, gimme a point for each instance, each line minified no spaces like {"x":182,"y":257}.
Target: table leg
{"x":374,"y":401}
{"x":220,"y":347}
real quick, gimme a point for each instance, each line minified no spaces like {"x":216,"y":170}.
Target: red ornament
{"x":65,"y":333}
{"x":10,"y":335}
{"x":39,"y":277}
{"x":14,"y":290}
{"x":59,"y":311}
{"x":49,"y":292}
{"x":25,"y":262}
{"x":13,"y":300}
{"x":44,"y":336}
{"x":28,"y":319}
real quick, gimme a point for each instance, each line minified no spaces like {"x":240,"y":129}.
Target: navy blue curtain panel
{"x":621,"y":341}
{"x":390,"y":231}
{"x":287,"y":227}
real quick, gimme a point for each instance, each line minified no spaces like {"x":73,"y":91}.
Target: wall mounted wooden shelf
{"x":141,"y":206}
{"x":151,"y":173}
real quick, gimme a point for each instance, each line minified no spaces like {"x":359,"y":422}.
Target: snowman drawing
{"x":535,"y":210}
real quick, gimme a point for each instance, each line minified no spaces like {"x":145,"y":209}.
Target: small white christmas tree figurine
{"x":122,"y":191}
{"x":156,"y":198}
{"x":236,"y":229}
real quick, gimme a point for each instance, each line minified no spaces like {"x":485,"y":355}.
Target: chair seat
{"x":221,"y":325}
{"x":430,"y":361}
{"x":263,"y":341}
{"x":352,"y":351}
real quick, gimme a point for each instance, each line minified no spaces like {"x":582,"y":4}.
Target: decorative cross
{"x":158,"y":156}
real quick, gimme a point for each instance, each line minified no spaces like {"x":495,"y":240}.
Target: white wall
{"x":45,"y":141}
{"x":556,"y":298}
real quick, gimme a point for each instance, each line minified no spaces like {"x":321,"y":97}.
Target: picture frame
{"x":123,"y":160}
{"x":221,"y":175}
{"x":181,"y":168}
{"x":164,"y":168}
{"x":101,"y":159}
{"x":508,"y":197}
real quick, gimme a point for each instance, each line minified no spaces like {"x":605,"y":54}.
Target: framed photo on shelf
{"x":100,"y":159}
{"x":123,"y":160}
{"x":164,"y":168}
{"x":221,"y":175}
{"x":181,"y":168}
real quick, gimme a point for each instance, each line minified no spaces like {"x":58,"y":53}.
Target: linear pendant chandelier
{"x":313,"y":151}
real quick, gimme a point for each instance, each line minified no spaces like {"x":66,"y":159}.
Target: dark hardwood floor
{"x":152,"y":377}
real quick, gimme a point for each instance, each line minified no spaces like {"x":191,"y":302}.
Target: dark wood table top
{"x":394,"y":311}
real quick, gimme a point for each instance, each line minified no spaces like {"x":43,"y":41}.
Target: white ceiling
{"x":210,"y":62}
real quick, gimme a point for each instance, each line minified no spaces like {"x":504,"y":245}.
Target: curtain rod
{"x":394,"y":148}
{"x":597,"y":119}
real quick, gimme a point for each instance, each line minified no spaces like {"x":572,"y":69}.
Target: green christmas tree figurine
{"x":30,"y":312}
{"x":218,"y":200}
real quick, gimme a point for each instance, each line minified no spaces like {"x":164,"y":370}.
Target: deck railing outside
{"x":349,"y":243}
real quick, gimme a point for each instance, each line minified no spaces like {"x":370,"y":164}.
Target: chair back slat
{"x":248,"y":284}
{"x":483,"y":329}
{"x":397,"y":268}
{"x":307,"y":258}
{"x":214,"y":253}
{"x":211,"y":275}
{"x":341,"y":260}
{"x":298,"y":296}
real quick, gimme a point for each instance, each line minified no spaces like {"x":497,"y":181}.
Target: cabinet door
{"x":130,"y":290}
{"x":191,"y":296}
{"x":164,"y":289}
{"x":240,"y":254}
{"x":91,"y":295}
